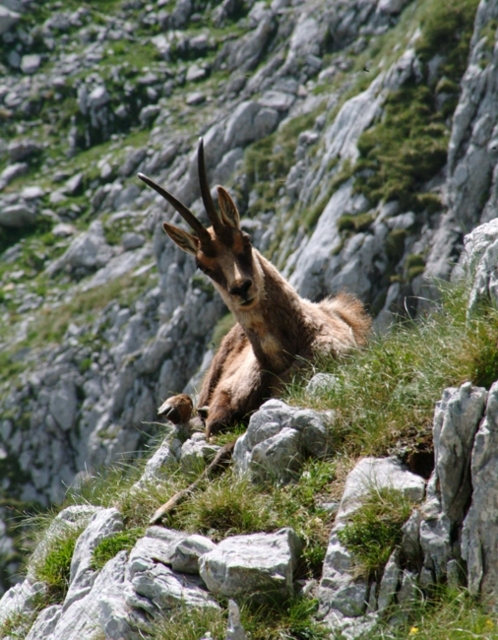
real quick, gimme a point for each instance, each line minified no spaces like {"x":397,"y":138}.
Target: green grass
{"x":110,"y":547}
{"x":292,"y":620}
{"x":374,"y":529}
{"x":407,"y":146}
{"x":54,"y":566}
{"x":387,"y":391}
{"x":450,"y":614}
{"x":229,"y":505}
{"x":189,"y":624}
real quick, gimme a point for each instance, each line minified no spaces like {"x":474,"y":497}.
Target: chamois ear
{"x":229,"y":212}
{"x":184,"y":240}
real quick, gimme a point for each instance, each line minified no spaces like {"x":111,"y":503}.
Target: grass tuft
{"x":110,"y":547}
{"x":53,"y":567}
{"x":387,"y":392}
{"x":374,"y":529}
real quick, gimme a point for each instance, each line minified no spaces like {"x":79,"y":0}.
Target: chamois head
{"x":223,"y":251}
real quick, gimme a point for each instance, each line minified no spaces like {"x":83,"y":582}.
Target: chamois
{"x":276,"y":331}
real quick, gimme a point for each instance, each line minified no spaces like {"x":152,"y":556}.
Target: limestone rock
{"x":277,"y":439}
{"x":8,"y":19}
{"x":456,"y":421}
{"x":104,"y":524}
{"x":479,"y":534}
{"x":252,"y":565}
{"x":17,"y":216}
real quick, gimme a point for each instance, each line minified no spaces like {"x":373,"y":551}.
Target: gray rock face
{"x":472,"y":185}
{"x":479,"y":260}
{"x":277,"y":439}
{"x":8,"y":19}
{"x":456,"y":420}
{"x":259,"y":563}
{"x":17,"y":216}
{"x":479,"y":535}
{"x":342,"y":597}
{"x":88,"y":251}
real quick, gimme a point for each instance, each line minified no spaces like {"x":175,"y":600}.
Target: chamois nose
{"x":241,"y":289}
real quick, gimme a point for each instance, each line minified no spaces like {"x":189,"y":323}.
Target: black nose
{"x":242,"y":289}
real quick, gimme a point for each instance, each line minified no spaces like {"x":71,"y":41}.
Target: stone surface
{"x":277,"y":439}
{"x":343,"y":598}
{"x":479,"y":534}
{"x":252,"y":565}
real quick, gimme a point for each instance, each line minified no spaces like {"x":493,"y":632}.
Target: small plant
{"x":449,"y":614}
{"x":388,"y":390}
{"x":292,"y":619}
{"x":110,"y":547}
{"x":54,"y":565}
{"x":188,"y":623}
{"x":374,"y":529}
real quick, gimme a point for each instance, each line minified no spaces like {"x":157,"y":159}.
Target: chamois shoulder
{"x":351,"y":311}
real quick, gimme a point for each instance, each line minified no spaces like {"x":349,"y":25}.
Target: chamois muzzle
{"x":241,"y":290}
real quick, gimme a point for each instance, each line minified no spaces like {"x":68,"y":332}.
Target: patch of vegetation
{"x":414,"y":266}
{"x":17,"y":625}
{"x":374,"y":529}
{"x":355,"y":222}
{"x":404,"y":150}
{"x":51,"y":324}
{"x":54,"y":567}
{"x":230,"y":505}
{"x":189,"y":623}
{"x":268,"y":161}
{"x":449,"y":614}
{"x":110,"y":547}
{"x":408,"y":145}
{"x":292,"y":619}
{"x":387,"y":391}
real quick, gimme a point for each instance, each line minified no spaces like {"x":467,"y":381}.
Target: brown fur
{"x":277,"y":330}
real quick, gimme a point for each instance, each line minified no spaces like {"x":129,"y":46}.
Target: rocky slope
{"x":357,"y":137}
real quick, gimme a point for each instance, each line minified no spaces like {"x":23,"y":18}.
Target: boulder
{"x":30,"y":63}
{"x":480,"y":532}
{"x":17,"y":216}
{"x":8,"y":19}
{"x":249,"y":122}
{"x":252,"y":565}
{"x":278,"y":438}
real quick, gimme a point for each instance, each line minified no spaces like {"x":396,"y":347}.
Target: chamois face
{"x":223,"y":252}
{"x":229,"y":262}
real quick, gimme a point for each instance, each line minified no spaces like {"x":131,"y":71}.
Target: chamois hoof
{"x":178,"y":409}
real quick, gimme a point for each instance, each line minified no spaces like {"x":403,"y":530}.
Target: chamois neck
{"x":276,"y":325}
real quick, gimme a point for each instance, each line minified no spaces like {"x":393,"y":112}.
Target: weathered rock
{"x":249,"y":122}
{"x":479,"y":533}
{"x":17,"y":216}
{"x":163,"y":588}
{"x":20,"y":150}
{"x":88,"y":251}
{"x":252,"y":565}
{"x":235,"y":630}
{"x":479,"y":261}
{"x":456,"y":420}
{"x":343,"y":598}
{"x":277,"y":439}
{"x":30,"y":63}
{"x":196,"y":453}
{"x":104,"y":524}
{"x":8,"y":19}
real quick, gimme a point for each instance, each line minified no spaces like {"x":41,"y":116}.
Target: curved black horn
{"x":205,"y":191}
{"x":186,"y":214}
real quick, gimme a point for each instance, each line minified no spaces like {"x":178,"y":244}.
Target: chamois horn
{"x":205,"y":191}
{"x":186,"y":214}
